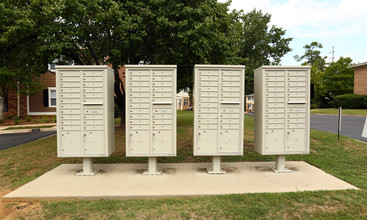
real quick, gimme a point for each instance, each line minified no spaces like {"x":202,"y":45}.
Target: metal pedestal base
{"x":152,"y":167}
{"x":87,"y":168}
{"x":216,"y":166}
{"x":280,"y":165}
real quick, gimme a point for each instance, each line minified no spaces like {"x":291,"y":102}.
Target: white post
{"x":280,"y":165}
{"x":216,"y":166}
{"x":152,"y":167}
{"x":87,"y":168}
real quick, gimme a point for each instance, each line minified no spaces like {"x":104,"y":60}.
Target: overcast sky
{"x":338,"y":23}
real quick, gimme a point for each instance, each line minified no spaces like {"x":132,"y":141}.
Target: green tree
{"x":338,"y":79}
{"x":312,"y":55}
{"x":21,"y":60}
{"x":260,"y":43}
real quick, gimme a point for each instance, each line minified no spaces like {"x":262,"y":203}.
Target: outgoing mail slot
{"x":296,"y":73}
{"x":70,"y":112}
{"x":207,"y":116}
{"x":162,"y":78}
{"x":208,"y":89}
{"x":139,"y":95}
{"x":208,"y":100}
{"x":208,"y":78}
{"x":139,"y":122}
{"x":296,"y":94}
{"x":275,"y":115}
{"x":138,"y":84}
{"x":69,"y":73}
{"x":162,"y":95}
{"x":162,"y":116}
{"x":275,"y":121}
{"x":230,"y":83}
{"x":70,"y":127}
{"x":140,"y":111}
{"x":70,"y":122}
{"x":100,"y":116}
{"x":230,"y":73}
{"x":272,"y":126}
{"x":275,"y":110}
{"x":92,"y":79}
{"x":70,"y":101}
{"x":67,"y":90}
{"x":229,"y":116}
{"x":212,"y":105}
{"x":70,"y":84}
{"x":162,"y":89}
{"x":279,"y":100}
{"x":140,"y":73}
{"x":296,"y":79}
{"x":230,"y":79}
{"x":139,"y":116}
{"x":92,"y":84}
{"x":229,"y":126}
{"x":208,"y":83}
{"x":208,"y":121}
{"x":70,"y":106}
{"x":274,"y":95}
{"x":208,"y":110}
{"x":229,"y":110}
{"x":275,"y":73}
{"x":68,"y":117}
{"x":139,"y":100}
{"x":275,"y":89}
{"x":93,"y":111}
{"x":275,"y":84}
{"x":93,"y":128}
{"x":93,"y":122}
{"x":207,"y":126}
{"x":162,"y":122}
{"x":70,"y":95}
{"x":296,"y":84}
{"x":297,"y":120}
{"x":290,"y":126}
{"x":139,"y":105}
{"x":162,"y":72}
{"x":93,"y":73}
{"x":139,"y":79}
{"x":296,"y":110}
{"x":208,"y":73}
{"x":70,"y":79}
{"x":275,"y":105}
{"x":93,"y":95}
{"x":161,"y":84}
{"x":162,"y":127}
{"x":94,"y":90}
{"x":139,"y":127}
{"x":275,"y":79}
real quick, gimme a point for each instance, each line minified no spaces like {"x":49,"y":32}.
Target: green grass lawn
{"x":28,"y":127}
{"x":334,"y":111}
{"x":345,"y":159}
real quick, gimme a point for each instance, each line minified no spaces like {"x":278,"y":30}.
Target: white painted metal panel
{"x":151,"y":113}
{"x":219,"y":106}
{"x":85,"y":111}
{"x":282,"y":106}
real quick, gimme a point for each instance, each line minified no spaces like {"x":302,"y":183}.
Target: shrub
{"x":17,"y":120}
{"x":35,"y":120}
{"x":313,"y":106}
{"x":28,"y":118}
{"x":45,"y":120}
{"x":10,"y":116}
{"x":54,"y":119}
{"x":117,"y":112}
{"x":351,"y":101}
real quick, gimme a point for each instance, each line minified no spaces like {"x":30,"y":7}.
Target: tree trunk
{"x":119,"y":95}
{"x":2,"y":103}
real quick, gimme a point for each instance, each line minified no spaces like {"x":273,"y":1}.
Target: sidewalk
{"x":2,"y":131}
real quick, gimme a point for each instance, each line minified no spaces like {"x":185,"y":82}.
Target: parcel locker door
{"x":229,"y":141}
{"x":296,"y":140}
{"x":207,"y":141}
{"x":139,"y":142}
{"x":94,"y":142}
{"x":274,"y":141}
{"x":162,"y":142}
{"x":71,"y":143}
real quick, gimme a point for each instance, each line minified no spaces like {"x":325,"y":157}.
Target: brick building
{"x":360,"y":78}
{"x":250,"y":103}
{"x":183,"y":101}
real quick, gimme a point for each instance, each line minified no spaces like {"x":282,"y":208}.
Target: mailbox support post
{"x":216,"y":166}
{"x":280,"y":165}
{"x":152,"y":167}
{"x":87,"y":168}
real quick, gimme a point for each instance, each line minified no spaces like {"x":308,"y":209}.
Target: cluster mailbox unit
{"x":282,"y":117}
{"x":85,"y":120}
{"x":151,"y":112}
{"x":219,"y":109}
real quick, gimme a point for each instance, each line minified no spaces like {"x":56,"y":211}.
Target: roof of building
{"x":183,"y":94}
{"x":249,"y":95}
{"x":358,"y":65}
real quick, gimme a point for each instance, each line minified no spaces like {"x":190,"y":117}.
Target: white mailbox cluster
{"x":219,"y":97}
{"x":151,"y":113}
{"x":282,"y":110}
{"x":85,"y":111}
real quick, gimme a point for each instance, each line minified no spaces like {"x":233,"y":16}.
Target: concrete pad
{"x":123,"y":181}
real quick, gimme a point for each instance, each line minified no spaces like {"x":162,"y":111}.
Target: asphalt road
{"x":11,"y":140}
{"x":352,"y":126}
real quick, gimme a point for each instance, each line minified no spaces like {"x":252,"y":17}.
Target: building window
{"x":250,"y":106}
{"x":51,"y":97}
{"x":250,"y":98}
{"x":185,"y":101}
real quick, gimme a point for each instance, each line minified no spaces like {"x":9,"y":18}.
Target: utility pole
{"x":332,"y":57}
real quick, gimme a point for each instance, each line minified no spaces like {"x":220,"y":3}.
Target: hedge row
{"x":351,"y":101}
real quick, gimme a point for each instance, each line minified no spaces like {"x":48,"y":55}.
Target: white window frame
{"x":49,"y":97}
{"x":250,"y":98}
{"x":250,"y":106}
